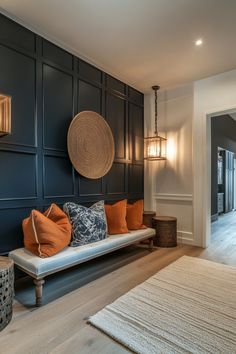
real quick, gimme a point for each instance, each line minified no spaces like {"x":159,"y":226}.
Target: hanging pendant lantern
{"x":155,"y":146}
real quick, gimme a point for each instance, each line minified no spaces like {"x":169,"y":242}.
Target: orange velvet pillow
{"x":116,"y":218}
{"x":48,"y":233}
{"x":134,"y":216}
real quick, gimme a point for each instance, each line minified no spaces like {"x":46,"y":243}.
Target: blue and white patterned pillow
{"x":88,"y":224}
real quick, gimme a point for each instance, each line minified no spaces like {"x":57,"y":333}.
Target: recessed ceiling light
{"x":198,"y":42}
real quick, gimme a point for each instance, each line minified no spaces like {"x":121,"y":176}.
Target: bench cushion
{"x":40,"y":267}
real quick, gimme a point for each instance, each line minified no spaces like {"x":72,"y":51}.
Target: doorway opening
{"x":223,"y":177}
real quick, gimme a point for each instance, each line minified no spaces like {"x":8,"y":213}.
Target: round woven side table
{"x":147,"y":218}
{"x":6,"y":290}
{"x":166,"y":231}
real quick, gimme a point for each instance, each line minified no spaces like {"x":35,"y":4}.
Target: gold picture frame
{"x":5,"y":114}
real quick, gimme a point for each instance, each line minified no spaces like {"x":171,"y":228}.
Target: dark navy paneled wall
{"x":48,"y":87}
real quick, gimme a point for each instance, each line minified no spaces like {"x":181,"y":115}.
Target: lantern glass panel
{"x":155,"y":148}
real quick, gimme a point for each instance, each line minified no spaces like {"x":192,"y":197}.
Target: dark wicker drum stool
{"x":147,"y":218}
{"x":166,"y":231}
{"x":6,"y":290}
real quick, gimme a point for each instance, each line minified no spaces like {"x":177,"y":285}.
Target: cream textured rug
{"x":187,"y":307}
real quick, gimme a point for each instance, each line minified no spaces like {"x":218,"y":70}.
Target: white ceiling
{"x":142,"y":42}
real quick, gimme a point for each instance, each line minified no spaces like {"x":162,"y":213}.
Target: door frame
{"x":202,"y":177}
{"x":234,"y":183}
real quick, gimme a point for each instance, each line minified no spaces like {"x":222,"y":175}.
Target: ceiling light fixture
{"x":198,"y":42}
{"x":155,"y":146}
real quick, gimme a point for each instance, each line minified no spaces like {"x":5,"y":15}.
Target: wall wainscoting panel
{"x":180,"y":206}
{"x":17,"y":80}
{"x":178,"y":197}
{"x":49,"y":86}
{"x":89,"y":97}
{"x":57,"y":107}
{"x":18,"y":175}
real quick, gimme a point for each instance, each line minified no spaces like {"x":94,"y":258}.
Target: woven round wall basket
{"x":90,"y":144}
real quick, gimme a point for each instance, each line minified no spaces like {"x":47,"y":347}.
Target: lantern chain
{"x":155,"y":88}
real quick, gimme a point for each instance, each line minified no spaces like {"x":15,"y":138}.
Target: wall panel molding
{"x":19,"y":177}
{"x":174,"y":197}
{"x":61,"y":186}
{"x":57,"y":107}
{"x":49,"y":86}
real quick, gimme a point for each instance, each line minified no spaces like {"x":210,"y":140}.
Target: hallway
{"x":223,"y":240}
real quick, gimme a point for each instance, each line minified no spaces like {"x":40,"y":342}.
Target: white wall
{"x":181,"y":186}
{"x":214,"y":95}
{"x":148,"y":168}
{"x":169,"y":185}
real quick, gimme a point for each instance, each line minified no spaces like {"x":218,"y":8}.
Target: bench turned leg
{"x":150,"y":244}
{"x":38,"y":291}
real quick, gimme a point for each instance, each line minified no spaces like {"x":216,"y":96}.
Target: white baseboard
{"x":185,"y":237}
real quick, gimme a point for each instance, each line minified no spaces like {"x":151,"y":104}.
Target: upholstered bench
{"x":38,"y":268}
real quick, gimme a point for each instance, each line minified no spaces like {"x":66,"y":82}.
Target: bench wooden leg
{"x":150,"y":244}
{"x":38,"y":291}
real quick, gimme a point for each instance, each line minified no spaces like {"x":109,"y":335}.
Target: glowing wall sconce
{"x":5,"y":115}
{"x":155,"y":146}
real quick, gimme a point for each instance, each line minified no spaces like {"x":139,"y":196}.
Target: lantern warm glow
{"x":155,"y":148}
{"x":171,"y":148}
{"x":5,"y":115}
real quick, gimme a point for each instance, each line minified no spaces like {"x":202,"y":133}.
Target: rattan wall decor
{"x":90,"y":144}
{"x":6,"y":290}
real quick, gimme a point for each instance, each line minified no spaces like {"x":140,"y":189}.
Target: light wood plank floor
{"x":72,"y":296}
